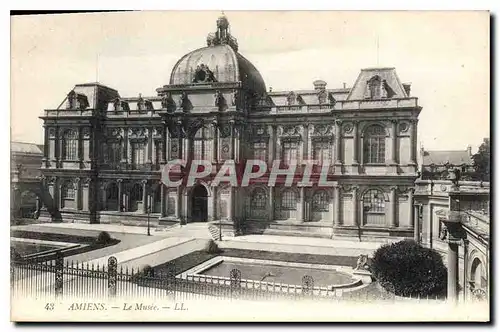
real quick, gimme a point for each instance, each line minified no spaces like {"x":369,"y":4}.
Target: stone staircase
{"x":214,"y":231}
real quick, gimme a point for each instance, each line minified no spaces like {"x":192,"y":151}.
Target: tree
{"x":407,"y":269}
{"x":482,"y":161}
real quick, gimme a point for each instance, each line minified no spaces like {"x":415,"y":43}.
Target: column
{"x":215,"y":135}
{"x":452,"y":271}
{"x":150,"y":146}
{"x":411,"y":215}
{"x":355,"y":150}
{"x":76,"y":183}
{"x":212,"y":211}
{"x":165,"y":154}
{"x":162,"y":199}
{"x":413,"y":141}
{"x":338,"y":140}
{"x":145,"y":196}
{"x":337,"y":207}
{"x":271,"y":203}
{"x":38,"y":204}
{"x":302,"y":204}
{"x":392,"y":209}
{"x":466,"y":263}
{"x":178,"y":206}
{"x":120,"y":194}
{"x":355,"y":204}
{"x":394,"y":142}
{"x":271,"y":144}
{"x":231,"y":204}
{"x":231,"y":146}
{"x":416,"y":223}
{"x":125,"y":147}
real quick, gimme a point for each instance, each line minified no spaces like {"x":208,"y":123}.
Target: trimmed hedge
{"x":212,"y":248}
{"x":407,"y":269}
{"x":103,"y":238}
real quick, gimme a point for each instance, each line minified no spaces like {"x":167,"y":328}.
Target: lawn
{"x":26,"y":248}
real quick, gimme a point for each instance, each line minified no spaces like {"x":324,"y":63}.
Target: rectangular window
{"x":71,"y":149}
{"x":260,"y":151}
{"x":159,"y":151}
{"x":138,"y":154}
{"x":321,"y":152}
{"x":290,"y":152}
{"x":198,"y":150}
{"x":114,"y":153}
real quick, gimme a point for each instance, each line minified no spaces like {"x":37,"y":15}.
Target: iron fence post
{"x":59,"y":274}
{"x":112,"y":275}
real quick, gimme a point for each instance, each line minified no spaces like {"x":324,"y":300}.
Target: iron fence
{"x":59,"y":279}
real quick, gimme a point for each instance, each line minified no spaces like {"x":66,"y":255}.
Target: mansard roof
{"x":453,"y":157}
{"x":387,"y":75}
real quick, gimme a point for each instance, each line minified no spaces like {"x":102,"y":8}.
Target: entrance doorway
{"x":199,"y":204}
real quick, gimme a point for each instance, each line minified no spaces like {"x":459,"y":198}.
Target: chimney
{"x":344,"y":85}
{"x":319,"y":85}
{"x":270,"y":89}
{"x":469,"y":150}
{"x":407,"y":87}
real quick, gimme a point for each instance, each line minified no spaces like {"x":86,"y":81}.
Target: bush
{"x":15,"y":256}
{"x":212,"y":248}
{"x":104,"y":238}
{"x":148,"y":271}
{"x":408,"y":269}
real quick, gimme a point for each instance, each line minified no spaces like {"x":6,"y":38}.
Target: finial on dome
{"x":222,"y":22}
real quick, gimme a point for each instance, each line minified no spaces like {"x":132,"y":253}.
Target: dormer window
{"x":291,"y":99}
{"x":72,"y":100}
{"x":77,"y":101}
{"x":375,"y":88}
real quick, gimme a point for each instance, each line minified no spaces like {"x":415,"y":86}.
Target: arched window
{"x":477,"y":277}
{"x":258,"y":200}
{"x":374,"y":145}
{"x":289,"y":200}
{"x":112,"y":197}
{"x":321,"y":201}
{"x":374,"y":207}
{"x":202,"y":144}
{"x":135,"y":196}
{"x":70,"y":145}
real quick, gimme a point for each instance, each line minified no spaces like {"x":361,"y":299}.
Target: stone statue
{"x":219,"y":99}
{"x":443,"y":233}
{"x":362,"y":263}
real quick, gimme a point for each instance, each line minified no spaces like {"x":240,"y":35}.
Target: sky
{"x":444,"y":55}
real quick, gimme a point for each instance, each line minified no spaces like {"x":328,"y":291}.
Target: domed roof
{"x":218,"y":62}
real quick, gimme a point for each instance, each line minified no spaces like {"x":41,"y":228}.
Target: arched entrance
{"x":199,"y":204}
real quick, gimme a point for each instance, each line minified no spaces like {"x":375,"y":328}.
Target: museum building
{"x":104,"y":153}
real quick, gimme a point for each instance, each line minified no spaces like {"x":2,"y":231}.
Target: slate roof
{"x":28,"y":148}
{"x":454,"y":157}
{"x":386,"y":74}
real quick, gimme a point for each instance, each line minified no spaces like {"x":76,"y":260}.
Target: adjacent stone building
{"x":25,"y":160}
{"x":104,"y":152}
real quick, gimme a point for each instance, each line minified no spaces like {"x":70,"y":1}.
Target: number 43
{"x":49,"y":306}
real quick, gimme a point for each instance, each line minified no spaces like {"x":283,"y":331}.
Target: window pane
{"x":288,"y":200}
{"x":320,"y":201}
{"x":258,"y":199}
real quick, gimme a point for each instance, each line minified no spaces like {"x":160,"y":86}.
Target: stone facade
{"x":104,"y":153}
{"x":25,"y":175}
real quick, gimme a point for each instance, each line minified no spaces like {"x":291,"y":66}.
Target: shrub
{"x":408,"y":269}
{"x":104,"y":238}
{"x":212,"y":247}
{"x":148,"y":271}
{"x":15,"y":256}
